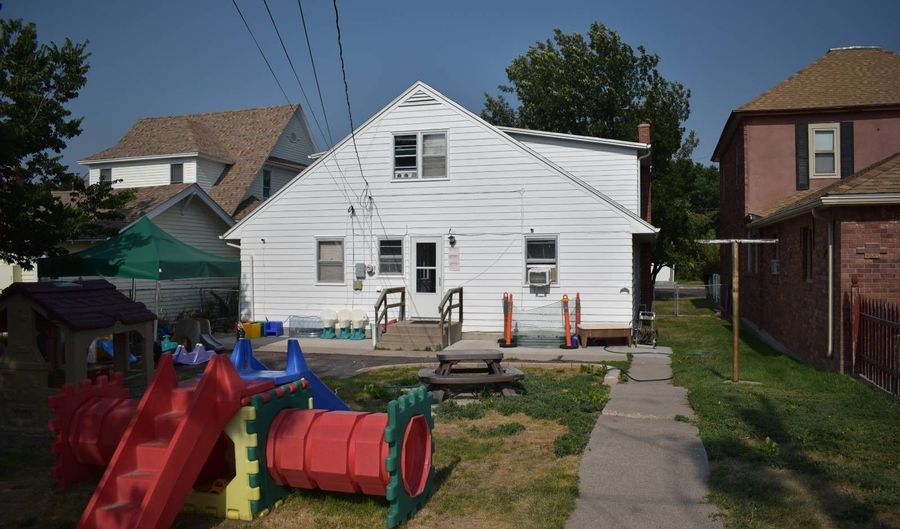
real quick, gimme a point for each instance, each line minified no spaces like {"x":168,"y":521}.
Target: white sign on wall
{"x":454,"y":259}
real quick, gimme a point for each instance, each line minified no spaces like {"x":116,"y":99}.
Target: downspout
{"x":830,"y":257}
{"x":252,"y":289}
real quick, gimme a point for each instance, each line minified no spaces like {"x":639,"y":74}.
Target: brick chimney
{"x":645,"y":249}
{"x":644,"y":137}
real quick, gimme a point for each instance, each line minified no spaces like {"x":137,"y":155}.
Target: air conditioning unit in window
{"x":539,"y":276}
{"x":404,"y":175}
{"x":774,"y":267}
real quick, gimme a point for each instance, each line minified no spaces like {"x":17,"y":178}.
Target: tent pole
{"x":132,"y":289}
{"x":157,"y":299}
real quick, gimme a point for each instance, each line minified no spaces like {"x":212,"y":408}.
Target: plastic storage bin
{"x":252,"y":329}
{"x":305,"y":326}
{"x":273,"y":328}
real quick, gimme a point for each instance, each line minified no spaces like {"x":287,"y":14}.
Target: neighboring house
{"x":810,"y":132}
{"x":11,"y":273}
{"x":239,"y":157}
{"x":448,"y":200}
{"x":187,"y":213}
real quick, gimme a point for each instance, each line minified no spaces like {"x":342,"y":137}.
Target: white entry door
{"x":427,"y":277}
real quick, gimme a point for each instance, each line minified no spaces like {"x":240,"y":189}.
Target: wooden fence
{"x":876,"y":341}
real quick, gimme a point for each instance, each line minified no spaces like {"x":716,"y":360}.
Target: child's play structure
{"x":234,"y":443}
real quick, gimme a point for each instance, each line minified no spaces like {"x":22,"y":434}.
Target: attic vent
{"x":418,"y":99}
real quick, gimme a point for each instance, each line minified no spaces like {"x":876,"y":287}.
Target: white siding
{"x":208,"y":172}
{"x":302,"y":145}
{"x":614,"y":171}
{"x":192,"y":222}
{"x":144,"y":173}
{"x":495,"y":195}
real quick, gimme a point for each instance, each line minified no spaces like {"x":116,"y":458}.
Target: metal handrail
{"x":445,"y":309}
{"x":382,"y":307}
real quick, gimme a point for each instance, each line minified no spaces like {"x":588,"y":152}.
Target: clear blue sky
{"x":174,"y":57}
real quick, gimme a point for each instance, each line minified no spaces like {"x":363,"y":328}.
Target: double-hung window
{"x":390,"y":257}
{"x":824,"y":150}
{"x":267,"y":184}
{"x":330,"y":260}
{"x":106,"y":175}
{"x":420,"y":155}
{"x":541,"y":253}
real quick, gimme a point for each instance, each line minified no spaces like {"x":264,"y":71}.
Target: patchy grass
{"x":803,"y":449}
{"x":500,"y":463}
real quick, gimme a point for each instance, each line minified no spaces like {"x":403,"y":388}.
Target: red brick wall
{"x":731,"y":206}
{"x":794,"y":311}
{"x":869,"y":246}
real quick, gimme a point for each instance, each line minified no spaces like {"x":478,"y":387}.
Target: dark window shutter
{"x":846,"y":149}
{"x":801,"y":144}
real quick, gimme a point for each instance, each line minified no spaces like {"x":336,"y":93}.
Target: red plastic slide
{"x":164,"y":448}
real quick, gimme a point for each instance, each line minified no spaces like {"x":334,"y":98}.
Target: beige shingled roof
{"x":843,"y":77}
{"x":243,"y":138}
{"x":881,"y":177}
{"x":145,"y":200}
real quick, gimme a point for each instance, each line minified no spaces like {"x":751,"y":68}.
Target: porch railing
{"x":383,"y":306}
{"x":875,"y":326}
{"x":445,"y":309}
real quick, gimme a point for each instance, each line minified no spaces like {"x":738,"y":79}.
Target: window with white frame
{"x":824,"y":150}
{"x":541,"y":254}
{"x":390,"y":257}
{"x":106,"y":175}
{"x":330,"y":260}
{"x":420,"y":155}
{"x":176,"y":173}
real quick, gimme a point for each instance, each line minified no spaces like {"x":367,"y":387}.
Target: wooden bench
{"x":449,"y":374}
{"x":586,"y":331}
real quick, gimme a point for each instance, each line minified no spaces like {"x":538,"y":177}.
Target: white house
{"x":438,"y":198}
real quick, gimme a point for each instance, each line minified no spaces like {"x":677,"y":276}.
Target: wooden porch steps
{"x":412,"y":335}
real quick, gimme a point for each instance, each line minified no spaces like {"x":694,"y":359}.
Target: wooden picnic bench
{"x":449,"y":374}
{"x":586,"y":331}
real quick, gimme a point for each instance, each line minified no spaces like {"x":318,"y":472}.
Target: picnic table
{"x":449,"y":374}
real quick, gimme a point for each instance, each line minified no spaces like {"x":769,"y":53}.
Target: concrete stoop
{"x":417,"y":335}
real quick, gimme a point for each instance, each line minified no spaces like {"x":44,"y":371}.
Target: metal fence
{"x":875,"y":334}
{"x":685,"y":298}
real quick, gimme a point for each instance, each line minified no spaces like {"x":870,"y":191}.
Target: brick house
{"x":788,"y":165}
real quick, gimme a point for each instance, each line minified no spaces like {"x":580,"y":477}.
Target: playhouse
{"x":51,"y":326}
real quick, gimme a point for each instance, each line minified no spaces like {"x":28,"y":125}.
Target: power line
{"x":337,"y":24}
{"x":315,"y":73}
{"x":258,"y":47}
{"x":291,"y":63}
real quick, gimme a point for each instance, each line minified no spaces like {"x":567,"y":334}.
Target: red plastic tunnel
{"x":345,"y":451}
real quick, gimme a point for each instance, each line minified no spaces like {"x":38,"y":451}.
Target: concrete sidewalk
{"x":642,"y":469}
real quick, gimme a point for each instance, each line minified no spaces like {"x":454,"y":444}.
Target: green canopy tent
{"x":143,"y":251}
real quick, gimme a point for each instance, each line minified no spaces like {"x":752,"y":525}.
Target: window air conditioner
{"x":404,"y":175}
{"x":774,"y":267}
{"x":539,"y":276}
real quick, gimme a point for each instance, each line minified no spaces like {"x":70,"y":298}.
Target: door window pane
{"x":425,"y":280}
{"x":426,"y":254}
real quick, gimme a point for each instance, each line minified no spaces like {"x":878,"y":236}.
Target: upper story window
{"x":267,"y":184}
{"x":176,"y":173}
{"x":824,"y":150}
{"x":420,"y":155}
{"x":106,"y":175}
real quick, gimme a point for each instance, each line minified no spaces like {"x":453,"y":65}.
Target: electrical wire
{"x":258,"y":47}
{"x":337,"y":24}
{"x":315,"y":72}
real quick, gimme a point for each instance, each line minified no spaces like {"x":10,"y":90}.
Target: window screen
{"x":434,"y":155}
{"x":405,"y":152}
{"x":390,"y":257}
{"x":330,"y":262}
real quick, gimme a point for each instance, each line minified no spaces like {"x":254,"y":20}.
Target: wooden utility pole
{"x":736,"y":297}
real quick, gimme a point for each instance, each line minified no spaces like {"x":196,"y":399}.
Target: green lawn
{"x":803,"y":449}
{"x":500,"y":463}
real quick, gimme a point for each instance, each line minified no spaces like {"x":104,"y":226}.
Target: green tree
{"x":598,"y":85}
{"x":36,"y":82}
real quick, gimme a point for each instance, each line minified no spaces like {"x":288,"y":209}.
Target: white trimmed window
{"x":390,"y":257}
{"x":106,"y":175}
{"x":824,"y":150}
{"x":330,"y":261}
{"x":176,"y":173}
{"x":420,"y":155}
{"x":541,"y":254}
